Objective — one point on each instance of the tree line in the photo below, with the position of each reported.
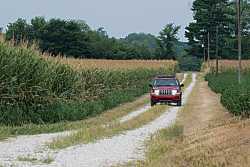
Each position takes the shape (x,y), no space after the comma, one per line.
(75,38)
(215,20)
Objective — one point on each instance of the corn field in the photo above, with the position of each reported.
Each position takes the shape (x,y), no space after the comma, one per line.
(37,89)
(225,65)
(80,64)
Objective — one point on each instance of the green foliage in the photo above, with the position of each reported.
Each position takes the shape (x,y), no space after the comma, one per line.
(101,46)
(166,42)
(33,90)
(28,83)
(18,31)
(65,38)
(235,97)
(180,48)
(75,38)
(141,39)
(209,15)
(145,44)
(189,63)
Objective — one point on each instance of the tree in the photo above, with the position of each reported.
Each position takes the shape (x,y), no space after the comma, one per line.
(18,31)
(167,40)
(142,39)
(229,49)
(101,32)
(208,15)
(75,38)
(65,38)
(194,45)
(245,25)
(37,28)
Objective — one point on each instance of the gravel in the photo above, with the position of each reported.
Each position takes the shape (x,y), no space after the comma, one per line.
(25,146)
(106,152)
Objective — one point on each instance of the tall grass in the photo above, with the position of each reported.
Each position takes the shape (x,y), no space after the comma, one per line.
(36,90)
(29,84)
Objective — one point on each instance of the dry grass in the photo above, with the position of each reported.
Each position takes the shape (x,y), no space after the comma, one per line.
(114,64)
(202,107)
(188,81)
(210,136)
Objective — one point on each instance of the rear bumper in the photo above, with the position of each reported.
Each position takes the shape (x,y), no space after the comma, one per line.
(171,98)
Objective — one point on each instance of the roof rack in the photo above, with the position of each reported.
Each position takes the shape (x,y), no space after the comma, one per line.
(166,76)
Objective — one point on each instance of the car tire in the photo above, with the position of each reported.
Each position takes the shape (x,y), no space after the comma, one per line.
(179,103)
(153,103)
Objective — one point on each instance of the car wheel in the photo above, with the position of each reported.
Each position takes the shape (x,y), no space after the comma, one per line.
(179,103)
(153,103)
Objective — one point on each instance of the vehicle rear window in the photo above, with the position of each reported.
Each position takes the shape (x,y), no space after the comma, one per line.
(165,82)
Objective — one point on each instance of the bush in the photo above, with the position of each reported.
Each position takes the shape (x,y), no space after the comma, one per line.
(188,63)
(33,90)
(235,97)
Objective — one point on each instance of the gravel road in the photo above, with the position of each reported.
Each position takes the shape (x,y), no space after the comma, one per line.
(106,152)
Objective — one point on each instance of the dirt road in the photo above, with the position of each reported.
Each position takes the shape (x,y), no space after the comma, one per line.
(32,150)
(211,136)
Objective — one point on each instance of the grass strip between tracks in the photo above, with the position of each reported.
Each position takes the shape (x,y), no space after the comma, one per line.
(188,80)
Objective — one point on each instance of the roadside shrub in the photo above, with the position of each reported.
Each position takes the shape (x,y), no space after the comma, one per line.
(34,90)
(235,97)
(189,63)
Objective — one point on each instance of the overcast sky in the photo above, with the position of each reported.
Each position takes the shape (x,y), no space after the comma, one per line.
(118,17)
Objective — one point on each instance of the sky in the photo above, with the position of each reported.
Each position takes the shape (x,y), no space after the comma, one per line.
(118,17)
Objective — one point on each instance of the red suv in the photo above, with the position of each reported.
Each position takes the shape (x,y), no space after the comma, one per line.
(166,89)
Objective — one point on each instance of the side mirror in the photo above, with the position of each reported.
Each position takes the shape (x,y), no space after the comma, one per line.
(150,85)
(182,85)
